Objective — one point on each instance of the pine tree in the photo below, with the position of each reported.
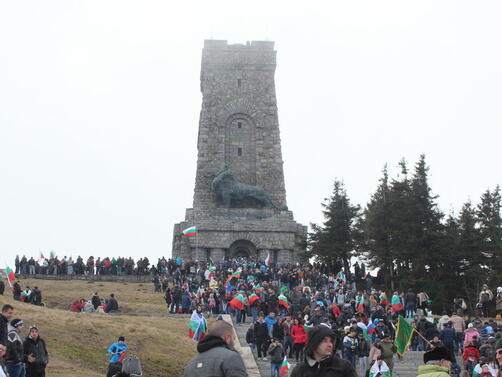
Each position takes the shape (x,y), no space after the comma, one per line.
(374,228)
(472,263)
(490,230)
(334,240)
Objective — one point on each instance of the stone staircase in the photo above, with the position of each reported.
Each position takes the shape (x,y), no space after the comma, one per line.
(408,365)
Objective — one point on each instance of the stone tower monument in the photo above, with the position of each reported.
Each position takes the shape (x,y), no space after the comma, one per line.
(239,205)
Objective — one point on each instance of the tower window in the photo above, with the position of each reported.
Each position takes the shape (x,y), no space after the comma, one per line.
(239,124)
(239,151)
(239,82)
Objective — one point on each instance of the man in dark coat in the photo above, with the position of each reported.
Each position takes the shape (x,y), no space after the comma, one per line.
(5,317)
(35,346)
(2,287)
(217,356)
(262,337)
(112,305)
(320,360)
(96,301)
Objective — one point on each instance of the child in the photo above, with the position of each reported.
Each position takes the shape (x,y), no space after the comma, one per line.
(277,354)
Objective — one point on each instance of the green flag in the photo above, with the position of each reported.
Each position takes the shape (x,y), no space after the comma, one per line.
(404,333)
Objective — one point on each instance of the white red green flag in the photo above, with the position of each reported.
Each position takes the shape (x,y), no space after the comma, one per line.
(237,302)
(360,303)
(285,367)
(396,303)
(380,370)
(283,301)
(383,299)
(267,259)
(190,232)
(253,298)
(10,275)
(197,327)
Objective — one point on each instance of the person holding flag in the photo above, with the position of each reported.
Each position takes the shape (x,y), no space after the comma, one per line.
(277,355)
(197,326)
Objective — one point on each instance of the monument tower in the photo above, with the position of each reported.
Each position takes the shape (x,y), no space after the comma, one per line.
(239,205)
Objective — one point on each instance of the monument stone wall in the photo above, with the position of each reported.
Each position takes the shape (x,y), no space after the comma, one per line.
(245,213)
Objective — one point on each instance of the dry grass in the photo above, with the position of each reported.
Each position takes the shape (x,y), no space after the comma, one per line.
(132,297)
(77,342)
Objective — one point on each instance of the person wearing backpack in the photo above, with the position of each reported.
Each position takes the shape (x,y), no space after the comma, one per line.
(485,298)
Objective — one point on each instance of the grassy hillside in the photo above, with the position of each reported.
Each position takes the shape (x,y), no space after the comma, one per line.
(77,342)
(132,297)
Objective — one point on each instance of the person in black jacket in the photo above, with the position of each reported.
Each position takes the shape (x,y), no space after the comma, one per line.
(251,337)
(96,301)
(262,338)
(319,358)
(277,354)
(5,317)
(35,346)
(2,287)
(112,305)
(15,357)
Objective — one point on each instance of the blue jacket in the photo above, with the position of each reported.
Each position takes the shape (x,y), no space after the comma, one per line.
(114,349)
(270,323)
(185,301)
(448,335)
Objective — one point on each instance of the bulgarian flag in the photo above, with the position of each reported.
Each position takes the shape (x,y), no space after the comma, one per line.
(283,301)
(237,302)
(253,298)
(53,254)
(383,299)
(478,369)
(380,370)
(284,289)
(235,275)
(10,275)
(41,256)
(258,288)
(285,367)
(190,232)
(397,305)
(307,328)
(197,326)
(360,303)
(267,259)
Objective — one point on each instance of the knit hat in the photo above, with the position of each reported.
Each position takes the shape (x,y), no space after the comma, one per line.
(470,325)
(33,327)
(16,322)
(316,335)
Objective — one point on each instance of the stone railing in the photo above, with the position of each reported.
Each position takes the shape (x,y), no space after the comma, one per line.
(118,278)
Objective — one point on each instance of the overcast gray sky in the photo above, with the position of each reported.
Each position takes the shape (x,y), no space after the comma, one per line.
(99,106)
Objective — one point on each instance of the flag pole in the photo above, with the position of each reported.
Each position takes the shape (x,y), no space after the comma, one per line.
(420,335)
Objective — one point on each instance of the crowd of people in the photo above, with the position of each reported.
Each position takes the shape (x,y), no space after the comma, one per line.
(96,305)
(283,303)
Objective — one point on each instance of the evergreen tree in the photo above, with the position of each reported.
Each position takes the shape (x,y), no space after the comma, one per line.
(374,229)
(490,229)
(333,241)
(471,261)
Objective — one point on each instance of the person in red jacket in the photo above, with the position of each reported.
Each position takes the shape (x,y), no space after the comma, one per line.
(76,307)
(471,356)
(299,338)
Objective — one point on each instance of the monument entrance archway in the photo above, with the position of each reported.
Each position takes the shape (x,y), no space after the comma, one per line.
(242,249)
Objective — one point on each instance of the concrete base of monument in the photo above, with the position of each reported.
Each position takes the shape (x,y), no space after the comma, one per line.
(237,232)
